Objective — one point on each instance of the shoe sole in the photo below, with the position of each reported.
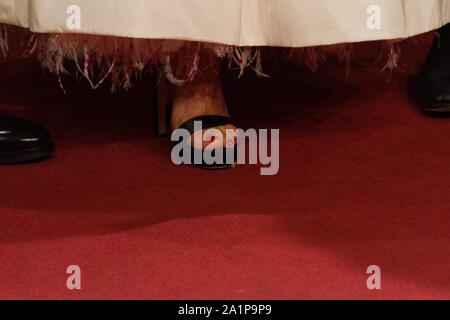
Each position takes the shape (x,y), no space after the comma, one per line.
(439,109)
(214,167)
(28,155)
(434,108)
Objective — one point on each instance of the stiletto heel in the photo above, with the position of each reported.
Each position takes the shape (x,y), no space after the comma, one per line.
(162,101)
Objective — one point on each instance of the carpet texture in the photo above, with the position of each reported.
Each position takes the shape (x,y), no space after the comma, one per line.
(364,179)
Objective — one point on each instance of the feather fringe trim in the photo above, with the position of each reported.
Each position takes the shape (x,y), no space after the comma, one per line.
(3,41)
(122,60)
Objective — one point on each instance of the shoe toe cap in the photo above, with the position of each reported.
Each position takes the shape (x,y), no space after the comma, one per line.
(18,134)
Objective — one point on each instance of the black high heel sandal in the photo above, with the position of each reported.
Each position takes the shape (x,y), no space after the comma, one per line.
(163,93)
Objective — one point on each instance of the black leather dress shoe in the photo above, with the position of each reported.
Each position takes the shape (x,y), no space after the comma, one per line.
(23,140)
(434,83)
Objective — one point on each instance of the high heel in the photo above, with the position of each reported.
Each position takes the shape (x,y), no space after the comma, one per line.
(163,98)
(163,92)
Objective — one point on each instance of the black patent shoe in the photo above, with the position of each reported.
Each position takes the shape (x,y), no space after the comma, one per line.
(23,140)
(434,82)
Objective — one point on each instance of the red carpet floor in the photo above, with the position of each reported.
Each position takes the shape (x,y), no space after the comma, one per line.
(364,179)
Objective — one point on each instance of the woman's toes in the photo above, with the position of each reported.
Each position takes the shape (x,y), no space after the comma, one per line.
(230,135)
(211,138)
(215,138)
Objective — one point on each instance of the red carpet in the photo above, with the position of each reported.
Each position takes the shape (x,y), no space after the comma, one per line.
(364,179)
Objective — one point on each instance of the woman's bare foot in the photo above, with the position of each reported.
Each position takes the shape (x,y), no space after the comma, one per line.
(203,96)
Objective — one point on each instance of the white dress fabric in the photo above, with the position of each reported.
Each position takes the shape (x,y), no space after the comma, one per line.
(287,23)
(140,29)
